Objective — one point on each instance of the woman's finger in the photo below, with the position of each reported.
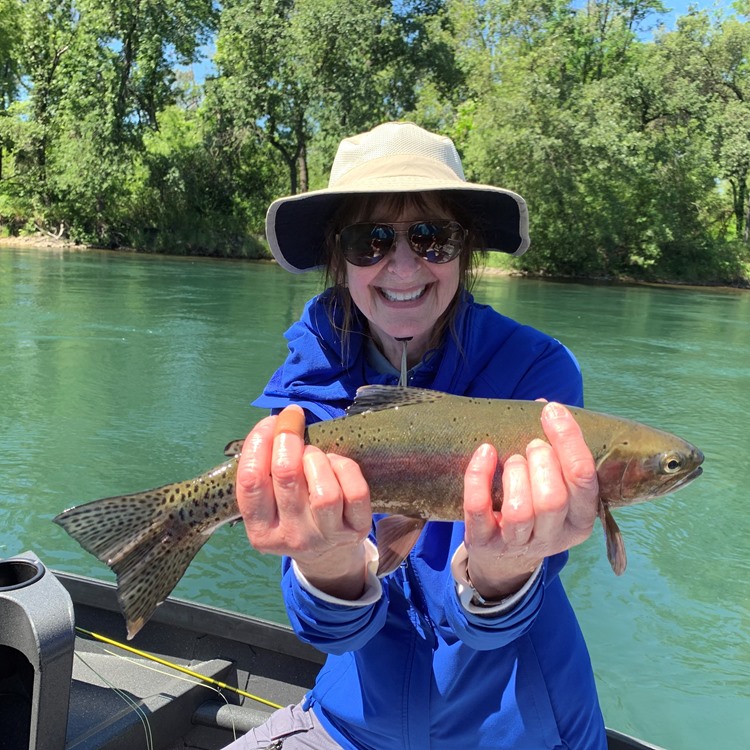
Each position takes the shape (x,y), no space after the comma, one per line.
(577,465)
(479,518)
(549,492)
(518,506)
(357,511)
(287,472)
(254,487)
(326,497)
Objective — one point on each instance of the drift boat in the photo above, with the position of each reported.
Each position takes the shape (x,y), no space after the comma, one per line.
(65,685)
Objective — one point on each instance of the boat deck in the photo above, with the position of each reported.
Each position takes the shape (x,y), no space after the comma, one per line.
(123,701)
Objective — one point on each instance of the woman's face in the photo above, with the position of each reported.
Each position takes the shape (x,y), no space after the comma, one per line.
(403,295)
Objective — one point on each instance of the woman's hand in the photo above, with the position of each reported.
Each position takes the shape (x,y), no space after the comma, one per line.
(550,503)
(296,500)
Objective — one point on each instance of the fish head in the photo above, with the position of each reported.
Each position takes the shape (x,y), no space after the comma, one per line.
(646,464)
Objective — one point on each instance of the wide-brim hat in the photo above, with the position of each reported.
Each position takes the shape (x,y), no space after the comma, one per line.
(395,157)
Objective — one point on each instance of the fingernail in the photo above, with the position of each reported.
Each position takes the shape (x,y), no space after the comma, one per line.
(535,443)
(554,410)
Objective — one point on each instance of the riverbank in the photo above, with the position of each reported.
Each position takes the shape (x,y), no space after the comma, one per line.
(41,242)
(499,265)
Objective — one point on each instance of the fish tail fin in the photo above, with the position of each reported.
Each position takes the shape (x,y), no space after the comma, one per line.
(147,575)
(396,536)
(616,555)
(143,540)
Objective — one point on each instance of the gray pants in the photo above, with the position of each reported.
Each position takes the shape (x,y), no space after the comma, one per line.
(289,728)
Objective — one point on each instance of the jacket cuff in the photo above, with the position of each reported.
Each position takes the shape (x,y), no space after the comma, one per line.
(472,601)
(373,588)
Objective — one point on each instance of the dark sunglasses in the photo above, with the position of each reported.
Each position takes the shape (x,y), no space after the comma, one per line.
(368,243)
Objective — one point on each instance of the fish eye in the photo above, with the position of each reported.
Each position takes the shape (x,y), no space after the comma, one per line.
(671,463)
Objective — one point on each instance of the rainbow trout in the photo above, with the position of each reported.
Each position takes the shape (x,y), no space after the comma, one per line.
(413,447)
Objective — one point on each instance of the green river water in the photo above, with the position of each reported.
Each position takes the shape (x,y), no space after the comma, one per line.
(122,372)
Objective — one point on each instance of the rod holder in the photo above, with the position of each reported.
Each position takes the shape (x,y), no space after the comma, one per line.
(37,639)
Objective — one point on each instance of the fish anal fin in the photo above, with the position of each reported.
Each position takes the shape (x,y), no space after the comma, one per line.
(615,544)
(396,536)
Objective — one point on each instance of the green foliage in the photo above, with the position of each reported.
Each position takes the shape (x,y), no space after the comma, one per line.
(632,152)
(10,12)
(604,135)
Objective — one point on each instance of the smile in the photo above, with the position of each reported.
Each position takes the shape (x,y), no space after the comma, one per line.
(394,296)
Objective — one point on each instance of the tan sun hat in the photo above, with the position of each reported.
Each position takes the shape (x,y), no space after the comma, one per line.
(395,157)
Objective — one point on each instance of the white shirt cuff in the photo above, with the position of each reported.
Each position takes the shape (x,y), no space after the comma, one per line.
(466,592)
(373,588)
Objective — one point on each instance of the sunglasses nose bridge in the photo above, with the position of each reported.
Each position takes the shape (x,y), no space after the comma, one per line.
(402,257)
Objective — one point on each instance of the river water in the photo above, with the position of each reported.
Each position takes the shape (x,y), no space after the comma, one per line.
(121,372)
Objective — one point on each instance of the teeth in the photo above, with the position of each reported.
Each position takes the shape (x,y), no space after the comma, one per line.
(403,296)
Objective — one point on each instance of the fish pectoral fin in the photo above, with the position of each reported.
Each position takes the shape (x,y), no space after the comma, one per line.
(616,555)
(233,448)
(396,536)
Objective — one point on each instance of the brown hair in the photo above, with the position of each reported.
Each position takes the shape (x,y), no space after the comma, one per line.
(355,208)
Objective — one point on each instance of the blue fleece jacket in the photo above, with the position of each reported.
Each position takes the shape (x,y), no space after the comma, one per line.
(416,670)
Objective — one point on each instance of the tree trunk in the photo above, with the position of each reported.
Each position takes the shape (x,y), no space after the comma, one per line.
(292,165)
(304,183)
(741,209)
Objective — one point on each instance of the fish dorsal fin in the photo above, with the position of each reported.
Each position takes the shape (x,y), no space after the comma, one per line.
(382,397)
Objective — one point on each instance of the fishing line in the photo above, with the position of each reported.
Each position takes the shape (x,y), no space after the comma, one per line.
(405,341)
(185,678)
(178,667)
(127,700)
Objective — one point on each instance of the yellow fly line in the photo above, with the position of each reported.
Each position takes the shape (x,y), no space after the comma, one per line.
(178,667)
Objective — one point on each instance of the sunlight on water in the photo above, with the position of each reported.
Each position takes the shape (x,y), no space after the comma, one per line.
(121,372)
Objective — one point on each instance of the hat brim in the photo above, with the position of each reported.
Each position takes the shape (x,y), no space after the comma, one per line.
(296,225)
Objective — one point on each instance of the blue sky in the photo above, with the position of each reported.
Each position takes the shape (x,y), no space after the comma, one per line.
(680,8)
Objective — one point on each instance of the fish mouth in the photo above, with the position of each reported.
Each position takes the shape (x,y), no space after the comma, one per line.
(694,474)
(412,295)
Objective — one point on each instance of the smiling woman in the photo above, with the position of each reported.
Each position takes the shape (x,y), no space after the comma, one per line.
(407,666)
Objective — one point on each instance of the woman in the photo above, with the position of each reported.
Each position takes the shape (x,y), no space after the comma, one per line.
(471,642)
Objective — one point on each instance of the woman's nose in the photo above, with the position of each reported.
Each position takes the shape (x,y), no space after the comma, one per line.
(402,260)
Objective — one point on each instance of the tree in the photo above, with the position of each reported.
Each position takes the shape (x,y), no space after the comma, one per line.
(570,108)
(10,64)
(709,79)
(98,73)
(291,73)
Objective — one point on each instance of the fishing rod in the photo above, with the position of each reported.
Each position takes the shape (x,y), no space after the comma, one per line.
(177,667)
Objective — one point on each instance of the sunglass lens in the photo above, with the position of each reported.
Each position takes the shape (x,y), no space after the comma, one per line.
(437,242)
(366,244)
